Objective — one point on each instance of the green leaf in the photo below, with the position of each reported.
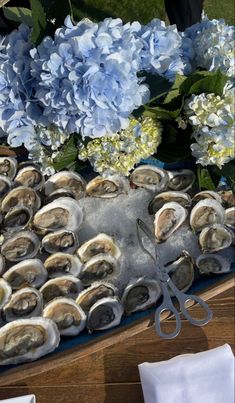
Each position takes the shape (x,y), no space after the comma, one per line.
(18,14)
(67,155)
(204,179)
(186,85)
(214,83)
(159,86)
(175,89)
(39,21)
(158,113)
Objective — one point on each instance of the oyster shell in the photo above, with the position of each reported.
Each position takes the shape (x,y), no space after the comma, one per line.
(67,315)
(99,267)
(18,218)
(60,264)
(8,167)
(160,199)
(206,194)
(181,180)
(215,238)
(31,177)
(21,196)
(87,298)
(2,264)
(68,181)
(230,217)
(209,263)
(61,214)
(21,245)
(60,241)
(25,303)
(5,185)
(228,198)
(107,187)
(56,194)
(101,243)
(140,294)
(182,271)
(5,292)
(150,177)
(27,339)
(64,286)
(29,273)
(104,314)
(206,212)
(168,219)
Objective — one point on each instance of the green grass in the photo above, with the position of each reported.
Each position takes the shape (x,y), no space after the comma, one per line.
(145,10)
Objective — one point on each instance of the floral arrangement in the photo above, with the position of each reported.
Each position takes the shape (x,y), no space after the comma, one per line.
(110,94)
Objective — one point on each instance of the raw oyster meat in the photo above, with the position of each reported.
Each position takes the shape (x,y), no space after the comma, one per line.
(215,238)
(99,267)
(60,241)
(29,273)
(27,339)
(230,217)
(101,243)
(21,196)
(181,180)
(104,314)
(168,219)
(166,197)
(67,315)
(24,303)
(140,294)
(66,181)
(21,245)
(8,167)
(18,218)
(64,286)
(31,177)
(60,264)
(206,212)
(210,263)
(207,194)
(5,185)
(107,187)
(182,271)
(150,177)
(87,298)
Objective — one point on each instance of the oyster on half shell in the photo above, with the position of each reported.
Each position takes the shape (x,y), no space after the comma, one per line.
(181,180)
(24,303)
(99,267)
(104,314)
(87,298)
(67,315)
(228,198)
(209,263)
(60,241)
(206,212)
(168,219)
(230,217)
(18,218)
(215,238)
(140,294)
(206,194)
(160,199)
(5,292)
(27,339)
(60,264)
(64,286)
(8,167)
(21,196)
(61,214)
(150,177)
(101,243)
(21,245)
(5,185)
(182,271)
(68,181)
(31,177)
(29,273)
(107,186)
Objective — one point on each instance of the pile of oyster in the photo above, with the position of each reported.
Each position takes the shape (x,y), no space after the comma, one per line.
(51,286)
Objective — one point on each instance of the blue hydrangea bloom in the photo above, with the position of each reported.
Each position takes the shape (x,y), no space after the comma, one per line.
(17,108)
(87,76)
(212,46)
(162,49)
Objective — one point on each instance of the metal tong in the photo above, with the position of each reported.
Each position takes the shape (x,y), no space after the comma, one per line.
(166,283)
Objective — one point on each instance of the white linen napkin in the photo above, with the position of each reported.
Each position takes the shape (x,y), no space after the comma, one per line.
(21,399)
(206,377)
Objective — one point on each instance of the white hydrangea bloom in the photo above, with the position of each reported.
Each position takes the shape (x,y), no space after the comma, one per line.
(212,117)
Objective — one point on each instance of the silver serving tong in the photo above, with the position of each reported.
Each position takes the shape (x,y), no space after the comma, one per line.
(166,284)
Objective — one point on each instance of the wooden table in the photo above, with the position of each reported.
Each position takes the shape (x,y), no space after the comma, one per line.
(105,371)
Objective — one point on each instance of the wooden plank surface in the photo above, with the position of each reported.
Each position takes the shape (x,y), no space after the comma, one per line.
(110,374)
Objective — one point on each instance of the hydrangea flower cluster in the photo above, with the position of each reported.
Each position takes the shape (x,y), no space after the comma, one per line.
(16,108)
(162,49)
(213,120)
(120,153)
(87,76)
(210,45)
